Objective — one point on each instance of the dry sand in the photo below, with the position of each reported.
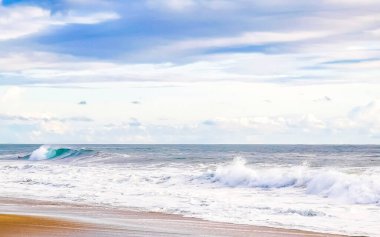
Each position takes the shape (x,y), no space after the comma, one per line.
(35,218)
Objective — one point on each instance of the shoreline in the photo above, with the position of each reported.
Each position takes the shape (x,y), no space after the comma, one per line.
(20,217)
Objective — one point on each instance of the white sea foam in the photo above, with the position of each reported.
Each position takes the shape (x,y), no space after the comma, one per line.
(362,188)
(40,153)
(292,197)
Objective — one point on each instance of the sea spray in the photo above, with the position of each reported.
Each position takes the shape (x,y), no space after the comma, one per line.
(41,153)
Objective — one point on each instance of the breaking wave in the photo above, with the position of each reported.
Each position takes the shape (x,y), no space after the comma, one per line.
(357,188)
(46,152)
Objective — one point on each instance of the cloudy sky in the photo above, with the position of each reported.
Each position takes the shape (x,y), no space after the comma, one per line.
(189,71)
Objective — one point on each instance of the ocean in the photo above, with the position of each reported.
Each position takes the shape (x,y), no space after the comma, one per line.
(325,188)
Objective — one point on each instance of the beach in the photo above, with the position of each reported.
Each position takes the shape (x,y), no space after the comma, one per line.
(23,217)
(321,189)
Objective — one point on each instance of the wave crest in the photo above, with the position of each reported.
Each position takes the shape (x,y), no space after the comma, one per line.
(46,152)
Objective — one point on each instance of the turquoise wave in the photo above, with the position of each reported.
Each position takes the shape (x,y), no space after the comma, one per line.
(50,152)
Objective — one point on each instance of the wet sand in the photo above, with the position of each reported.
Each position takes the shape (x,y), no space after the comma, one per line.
(23,217)
(20,225)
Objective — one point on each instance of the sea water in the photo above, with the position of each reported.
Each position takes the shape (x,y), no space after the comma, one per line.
(334,189)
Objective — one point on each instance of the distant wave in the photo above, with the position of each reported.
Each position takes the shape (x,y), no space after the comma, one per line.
(46,152)
(358,188)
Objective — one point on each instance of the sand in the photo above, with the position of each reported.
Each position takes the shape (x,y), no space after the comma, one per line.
(22,217)
(21,225)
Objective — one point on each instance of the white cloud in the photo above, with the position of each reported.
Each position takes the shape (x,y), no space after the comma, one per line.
(20,21)
(367,117)
(353,2)
(50,69)
(176,5)
(41,117)
(86,2)
(245,39)
(11,94)
(78,18)
(363,122)
(56,127)
(47,68)
(273,124)
(185,5)
(303,49)
(375,32)
(320,37)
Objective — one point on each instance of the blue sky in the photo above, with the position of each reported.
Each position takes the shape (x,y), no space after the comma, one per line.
(189,71)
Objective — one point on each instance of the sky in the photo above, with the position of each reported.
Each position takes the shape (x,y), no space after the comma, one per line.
(190,71)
